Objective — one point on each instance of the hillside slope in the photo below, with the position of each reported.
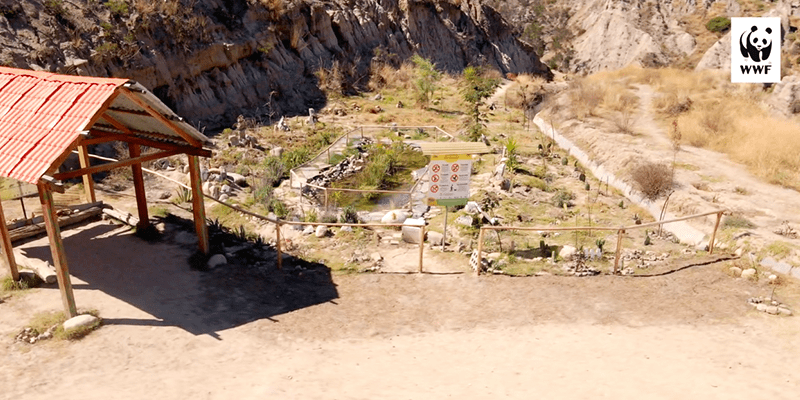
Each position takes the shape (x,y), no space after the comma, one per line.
(212,60)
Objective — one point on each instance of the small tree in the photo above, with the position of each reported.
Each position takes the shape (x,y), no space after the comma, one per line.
(427,77)
(476,88)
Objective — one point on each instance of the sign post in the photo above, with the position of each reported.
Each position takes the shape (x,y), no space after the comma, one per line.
(448,183)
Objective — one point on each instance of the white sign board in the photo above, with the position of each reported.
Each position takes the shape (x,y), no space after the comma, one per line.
(448,179)
(755,50)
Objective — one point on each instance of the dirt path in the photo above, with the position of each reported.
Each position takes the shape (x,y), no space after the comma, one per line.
(175,333)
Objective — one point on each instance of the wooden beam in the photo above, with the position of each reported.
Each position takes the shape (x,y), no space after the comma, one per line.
(88,182)
(155,114)
(198,207)
(99,137)
(122,163)
(8,250)
(138,185)
(57,249)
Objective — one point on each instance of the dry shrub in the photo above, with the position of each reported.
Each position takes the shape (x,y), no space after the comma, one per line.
(672,103)
(386,76)
(586,96)
(331,81)
(652,179)
(526,89)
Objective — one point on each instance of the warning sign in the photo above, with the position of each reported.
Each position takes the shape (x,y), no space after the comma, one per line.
(450,179)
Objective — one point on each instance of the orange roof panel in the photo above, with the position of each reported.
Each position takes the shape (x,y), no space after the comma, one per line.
(42,115)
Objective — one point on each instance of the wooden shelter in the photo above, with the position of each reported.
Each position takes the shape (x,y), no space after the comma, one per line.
(45,117)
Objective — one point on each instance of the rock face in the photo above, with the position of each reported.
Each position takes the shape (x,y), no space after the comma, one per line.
(214,60)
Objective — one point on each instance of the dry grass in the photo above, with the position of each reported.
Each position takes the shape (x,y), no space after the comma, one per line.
(526,88)
(586,96)
(713,113)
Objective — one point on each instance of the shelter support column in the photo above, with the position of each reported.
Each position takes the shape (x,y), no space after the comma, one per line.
(88,182)
(8,253)
(57,249)
(138,185)
(198,205)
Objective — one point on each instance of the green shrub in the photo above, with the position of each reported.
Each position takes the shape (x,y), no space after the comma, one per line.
(563,198)
(718,24)
(737,221)
(119,8)
(533,182)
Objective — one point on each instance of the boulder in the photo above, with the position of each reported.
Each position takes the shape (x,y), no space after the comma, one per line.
(749,273)
(185,169)
(207,188)
(567,252)
(80,321)
(276,151)
(308,230)
(346,229)
(216,260)
(465,220)
(472,208)
(223,197)
(735,271)
(321,231)
(394,217)
(435,238)
(238,179)
(225,189)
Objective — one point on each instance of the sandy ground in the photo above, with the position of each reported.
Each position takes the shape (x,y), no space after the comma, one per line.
(174,333)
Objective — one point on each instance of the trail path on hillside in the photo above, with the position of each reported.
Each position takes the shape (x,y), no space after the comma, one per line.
(707,180)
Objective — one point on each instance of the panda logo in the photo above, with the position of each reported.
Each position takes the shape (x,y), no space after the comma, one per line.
(756,45)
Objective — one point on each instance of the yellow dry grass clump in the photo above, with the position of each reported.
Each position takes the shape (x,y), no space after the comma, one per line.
(711,112)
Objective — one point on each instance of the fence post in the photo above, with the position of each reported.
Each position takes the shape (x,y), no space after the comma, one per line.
(421,245)
(278,244)
(326,199)
(619,249)
(480,252)
(714,234)
(329,154)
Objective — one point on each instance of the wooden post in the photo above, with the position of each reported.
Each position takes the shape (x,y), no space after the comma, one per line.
(88,182)
(8,250)
(278,244)
(198,207)
(138,185)
(57,249)
(714,234)
(329,155)
(480,252)
(326,199)
(421,245)
(619,249)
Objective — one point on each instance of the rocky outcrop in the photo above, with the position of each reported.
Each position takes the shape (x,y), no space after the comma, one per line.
(216,59)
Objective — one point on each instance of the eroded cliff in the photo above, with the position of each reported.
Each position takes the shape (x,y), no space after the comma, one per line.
(212,60)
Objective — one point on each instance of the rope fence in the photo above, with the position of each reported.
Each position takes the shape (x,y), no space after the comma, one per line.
(620,231)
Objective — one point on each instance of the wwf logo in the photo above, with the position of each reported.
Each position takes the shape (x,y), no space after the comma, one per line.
(756,55)
(755,44)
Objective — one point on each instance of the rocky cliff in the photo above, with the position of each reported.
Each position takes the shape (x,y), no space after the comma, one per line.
(212,60)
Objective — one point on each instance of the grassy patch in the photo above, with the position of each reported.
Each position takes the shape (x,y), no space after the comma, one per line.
(737,221)
(779,249)
(43,321)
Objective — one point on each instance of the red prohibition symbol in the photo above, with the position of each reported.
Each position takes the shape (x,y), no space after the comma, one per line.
(435,178)
(436,167)
(453,178)
(434,188)
(454,168)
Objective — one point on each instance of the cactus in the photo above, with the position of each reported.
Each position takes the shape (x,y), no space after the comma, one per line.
(582,177)
(587,187)
(622,204)
(647,240)
(600,243)
(564,161)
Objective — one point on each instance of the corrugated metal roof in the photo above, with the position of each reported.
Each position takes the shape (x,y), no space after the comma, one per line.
(435,148)
(43,114)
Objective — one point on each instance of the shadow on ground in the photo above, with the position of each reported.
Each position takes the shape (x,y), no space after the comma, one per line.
(155,276)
